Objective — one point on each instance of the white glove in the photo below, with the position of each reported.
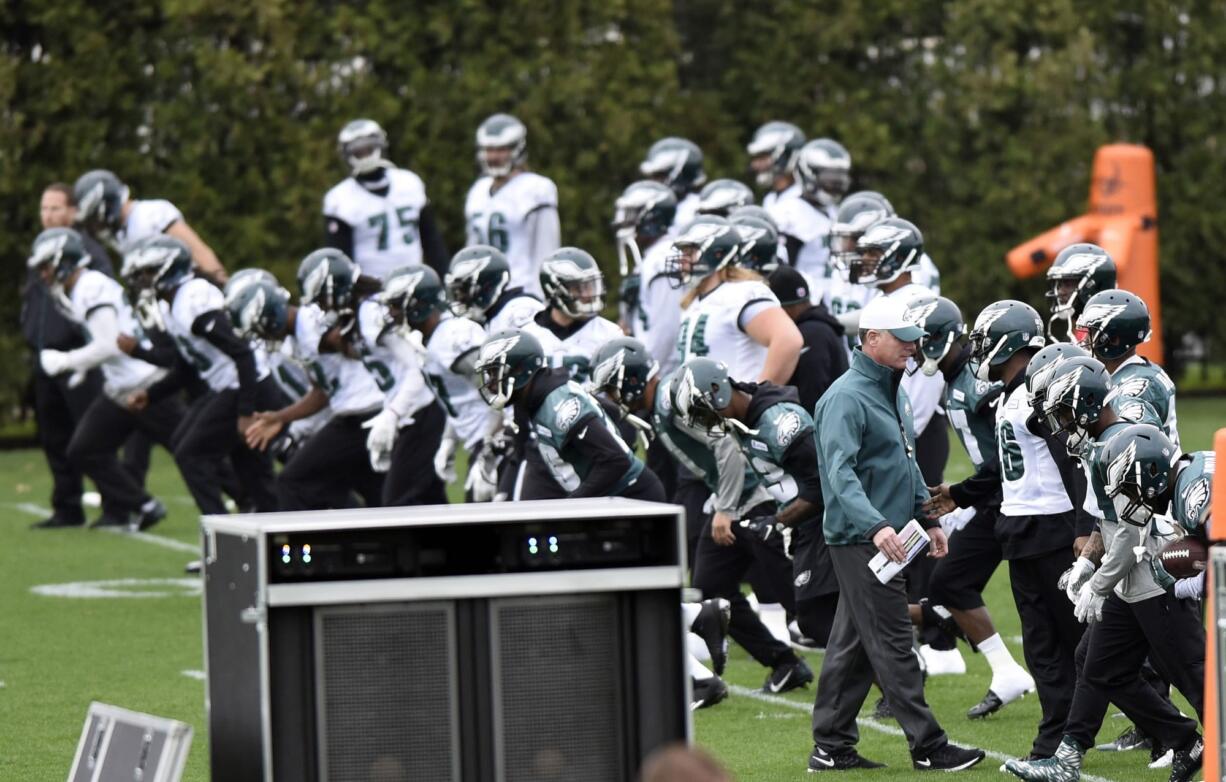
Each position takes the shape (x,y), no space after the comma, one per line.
(444,457)
(382,438)
(1089,606)
(1193,587)
(1080,574)
(482,479)
(955,520)
(54,362)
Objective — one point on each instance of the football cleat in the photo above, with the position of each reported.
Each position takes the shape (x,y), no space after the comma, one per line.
(1005,689)
(948,757)
(151,513)
(707,692)
(821,760)
(1187,761)
(1130,739)
(788,675)
(882,711)
(1064,766)
(711,625)
(57,522)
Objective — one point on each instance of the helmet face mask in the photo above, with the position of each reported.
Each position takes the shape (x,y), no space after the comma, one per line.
(160,263)
(823,167)
(1077,273)
(475,279)
(700,390)
(506,364)
(885,251)
(502,145)
(773,151)
(362,144)
(57,253)
(1115,322)
(1073,399)
(573,283)
(707,245)
(622,369)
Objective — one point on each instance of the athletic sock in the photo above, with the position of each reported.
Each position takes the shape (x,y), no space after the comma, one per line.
(998,656)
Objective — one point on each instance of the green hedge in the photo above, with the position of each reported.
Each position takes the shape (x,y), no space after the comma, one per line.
(978,118)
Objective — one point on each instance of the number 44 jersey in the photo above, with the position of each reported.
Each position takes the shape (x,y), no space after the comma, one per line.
(385,228)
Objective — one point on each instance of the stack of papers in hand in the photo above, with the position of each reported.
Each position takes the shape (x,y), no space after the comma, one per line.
(913,538)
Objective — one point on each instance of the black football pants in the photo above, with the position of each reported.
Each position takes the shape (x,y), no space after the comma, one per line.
(57,408)
(961,576)
(411,479)
(334,462)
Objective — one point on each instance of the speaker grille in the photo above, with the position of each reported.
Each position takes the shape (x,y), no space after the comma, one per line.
(388,705)
(557,689)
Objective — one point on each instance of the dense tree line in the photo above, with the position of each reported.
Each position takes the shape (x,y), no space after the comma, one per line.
(978,118)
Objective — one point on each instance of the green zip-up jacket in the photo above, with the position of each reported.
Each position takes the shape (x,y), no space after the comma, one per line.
(866,454)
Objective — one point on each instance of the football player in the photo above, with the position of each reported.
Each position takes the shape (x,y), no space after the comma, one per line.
(105,208)
(509,207)
(721,196)
(1131,615)
(1079,271)
(958,580)
(192,310)
(379,215)
(98,305)
(1115,322)
(1040,512)
(642,218)
(570,328)
(823,169)
(479,287)
(677,163)
(580,445)
(759,240)
(773,151)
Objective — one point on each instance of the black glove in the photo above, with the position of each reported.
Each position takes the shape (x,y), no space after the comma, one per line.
(764,527)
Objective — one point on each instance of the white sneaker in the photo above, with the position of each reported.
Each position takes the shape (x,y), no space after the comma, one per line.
(943,663)
(1012,684)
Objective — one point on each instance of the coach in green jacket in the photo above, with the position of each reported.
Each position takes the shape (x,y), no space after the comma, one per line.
(873,487)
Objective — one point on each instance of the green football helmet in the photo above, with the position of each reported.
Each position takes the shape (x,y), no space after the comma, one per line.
(1002,329)
(676,162)
(759,243)
(362,144)
(501,131)
(573,283)
(61,249)
(506,364)
(886,249)
(1074,399)
(777,145)
(721,196)
(1038,371)
(707,245)
(412,294)
(476,277)
(856,213)
(1138,460)
(823,167)
(622,368)
(1115,322)
(326,278)
(100,196)
(943,326)
(700,389)
(161,263)
(644,211)
(244,277)
(259,309)
(753,210)
(1079,271)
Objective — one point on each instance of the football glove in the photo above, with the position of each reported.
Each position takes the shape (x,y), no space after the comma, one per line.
(1089,606)
(54,362)
(1076,577)
(382,439)
(764,527)
(444,457)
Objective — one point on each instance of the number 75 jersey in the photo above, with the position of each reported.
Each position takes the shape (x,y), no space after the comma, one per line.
(385,228)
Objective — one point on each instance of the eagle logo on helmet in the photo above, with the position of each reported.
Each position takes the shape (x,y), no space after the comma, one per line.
(604,373)
(1062,386)
(700,234)
(469,267)
(403,285)
(496,351)
(1120,467)
(49,250)
(1082,263)
(988,317)
(880,235)
(1195,498)
(919,314)
(786,428)
(249,316)
(314,283)
(1099,315)
(92,199)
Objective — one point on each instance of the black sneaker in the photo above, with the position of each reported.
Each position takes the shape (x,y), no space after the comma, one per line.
(1187,761)
(193,568)
(707,692)
(788,675)
(711,625)
(821,760)
(940,618)
(882,711)
(990,704)
(110,520)
(57,522)
(151,513)
(1130,739)
(948,757)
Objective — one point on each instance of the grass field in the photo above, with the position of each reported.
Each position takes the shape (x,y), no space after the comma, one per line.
(57,653)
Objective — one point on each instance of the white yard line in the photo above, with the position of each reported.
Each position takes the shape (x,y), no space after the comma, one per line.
(865,722)
(144,537)
(197,675)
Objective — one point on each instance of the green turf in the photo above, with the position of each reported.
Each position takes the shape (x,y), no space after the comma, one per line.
(57,654)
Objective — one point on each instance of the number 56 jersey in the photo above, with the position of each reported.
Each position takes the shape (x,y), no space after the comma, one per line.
(520,219)
(385,228)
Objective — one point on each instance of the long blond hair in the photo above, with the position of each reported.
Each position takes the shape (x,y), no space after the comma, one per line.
(729,273)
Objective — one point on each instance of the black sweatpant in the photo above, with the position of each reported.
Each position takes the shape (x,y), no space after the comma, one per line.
(333,463)
(57,408)
(95,445)
(718,571)
(411,479)
(691,493)
(1050,635)
(1170,632)
(208,436)
(660,460)
(959,578)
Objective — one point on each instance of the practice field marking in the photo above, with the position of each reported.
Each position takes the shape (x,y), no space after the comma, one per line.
(197,675)
(144,537)
(871,724)
(122,588)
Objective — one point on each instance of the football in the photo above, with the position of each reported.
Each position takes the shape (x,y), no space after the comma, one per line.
(1184,558)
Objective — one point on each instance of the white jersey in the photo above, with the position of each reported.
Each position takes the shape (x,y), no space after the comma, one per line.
(93,291)
(385,227)
(1029,479)
(578,349)
(193,299)
(687,210)
(147,217)
(514,314)
(292,375)
(659,317)
(771,199)
(453,339)
(925,392)
(810,225)
(714,326)
(348,384)
(509,220)
(927,274)
(393,371)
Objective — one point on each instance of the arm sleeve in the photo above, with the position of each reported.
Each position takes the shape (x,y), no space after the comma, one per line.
(838,445)
(610,461)
(793,246)
(800,462)
(980,487)
(546,230)
(433,247)
(412,386)
(161,351)
(180,373)
(215,327)
(1074,479)
(1118,558)
(103,325)
(338,234)
(730,463)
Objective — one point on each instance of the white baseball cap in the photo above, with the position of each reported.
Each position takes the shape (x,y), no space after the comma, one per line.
(886,313)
